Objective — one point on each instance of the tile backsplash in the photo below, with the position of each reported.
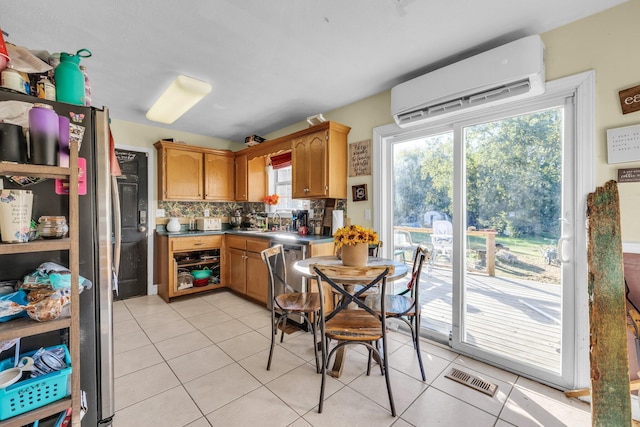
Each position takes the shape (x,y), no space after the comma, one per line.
(223,209)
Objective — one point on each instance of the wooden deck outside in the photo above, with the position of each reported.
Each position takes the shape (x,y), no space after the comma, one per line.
(515,318)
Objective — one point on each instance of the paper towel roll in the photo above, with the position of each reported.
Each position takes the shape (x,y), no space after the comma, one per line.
(337,220)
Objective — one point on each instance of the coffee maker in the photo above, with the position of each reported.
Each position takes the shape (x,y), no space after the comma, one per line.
(300,218)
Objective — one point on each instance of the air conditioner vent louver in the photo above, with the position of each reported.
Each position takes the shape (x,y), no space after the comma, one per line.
(509,72)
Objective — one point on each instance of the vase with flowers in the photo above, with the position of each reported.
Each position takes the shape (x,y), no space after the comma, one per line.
(353,241)
(269,201)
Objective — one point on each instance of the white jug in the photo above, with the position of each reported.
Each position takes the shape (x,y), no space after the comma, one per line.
(173,226)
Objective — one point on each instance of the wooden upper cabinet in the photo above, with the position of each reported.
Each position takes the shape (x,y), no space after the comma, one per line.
(319,162)
(242,178)
(182,173)
(219,177)
(309,166)
(251,179)
(194,173)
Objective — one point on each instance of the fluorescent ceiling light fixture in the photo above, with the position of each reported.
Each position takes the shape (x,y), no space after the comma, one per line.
(180,96)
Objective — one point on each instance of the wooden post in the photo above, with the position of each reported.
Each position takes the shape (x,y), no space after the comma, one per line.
(491,252)
(610,397)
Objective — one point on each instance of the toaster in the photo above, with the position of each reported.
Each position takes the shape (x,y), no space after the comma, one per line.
(208,224)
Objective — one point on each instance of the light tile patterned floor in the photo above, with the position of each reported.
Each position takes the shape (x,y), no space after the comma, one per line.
(201,361)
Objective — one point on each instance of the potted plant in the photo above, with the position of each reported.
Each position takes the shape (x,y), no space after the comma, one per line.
(354,241)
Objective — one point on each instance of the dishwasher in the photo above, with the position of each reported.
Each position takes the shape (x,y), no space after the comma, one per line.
(292,253)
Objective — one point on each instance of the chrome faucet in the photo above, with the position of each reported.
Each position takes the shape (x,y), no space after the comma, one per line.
(279,220)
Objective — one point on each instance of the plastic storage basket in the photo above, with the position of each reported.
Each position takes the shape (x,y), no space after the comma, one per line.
(34,393)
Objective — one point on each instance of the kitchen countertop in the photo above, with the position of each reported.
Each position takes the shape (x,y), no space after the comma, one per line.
(280,236)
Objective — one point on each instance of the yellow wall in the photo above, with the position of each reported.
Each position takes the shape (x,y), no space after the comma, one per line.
(128,133)
(606,42)
(137,135)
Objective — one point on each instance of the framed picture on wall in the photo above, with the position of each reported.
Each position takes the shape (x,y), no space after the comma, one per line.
(359,192)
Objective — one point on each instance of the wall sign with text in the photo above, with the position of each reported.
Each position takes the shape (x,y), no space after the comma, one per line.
(629,175)
(623,144)
(360,158)
(630,99)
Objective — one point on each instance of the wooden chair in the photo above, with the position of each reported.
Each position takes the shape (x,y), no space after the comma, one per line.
(349,326)
(285,300)
(406,304)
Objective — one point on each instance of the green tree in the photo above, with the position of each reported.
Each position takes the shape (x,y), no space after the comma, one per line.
(514,173)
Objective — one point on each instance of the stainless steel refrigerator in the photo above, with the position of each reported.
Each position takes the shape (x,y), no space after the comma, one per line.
(97,253)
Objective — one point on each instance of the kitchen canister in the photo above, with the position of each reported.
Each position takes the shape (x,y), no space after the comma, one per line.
(12,79)
(13,144)
(15,215)
(70,79)
(44,132)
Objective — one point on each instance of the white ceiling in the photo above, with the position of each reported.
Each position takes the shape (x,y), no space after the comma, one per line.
(271,63)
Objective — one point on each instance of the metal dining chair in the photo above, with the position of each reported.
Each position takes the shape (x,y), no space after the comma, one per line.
(405,305)
(286,301)
(350,326)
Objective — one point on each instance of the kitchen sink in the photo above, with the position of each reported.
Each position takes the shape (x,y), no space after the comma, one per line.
(278,235)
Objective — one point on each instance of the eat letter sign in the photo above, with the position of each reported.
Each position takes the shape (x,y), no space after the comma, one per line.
(630,99)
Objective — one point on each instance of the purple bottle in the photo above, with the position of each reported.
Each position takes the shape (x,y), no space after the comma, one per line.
(43,135)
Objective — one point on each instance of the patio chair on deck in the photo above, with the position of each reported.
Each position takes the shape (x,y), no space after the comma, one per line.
(401,243)
(442,239)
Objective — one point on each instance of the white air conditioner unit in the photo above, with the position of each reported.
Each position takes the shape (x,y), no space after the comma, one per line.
(508,72)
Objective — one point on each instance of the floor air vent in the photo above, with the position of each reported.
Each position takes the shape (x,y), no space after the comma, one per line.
(472,381)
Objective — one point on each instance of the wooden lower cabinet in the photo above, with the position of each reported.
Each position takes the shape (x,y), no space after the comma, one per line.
(237,270)
(237,262)
(247,273)
(257,277)
(169,254)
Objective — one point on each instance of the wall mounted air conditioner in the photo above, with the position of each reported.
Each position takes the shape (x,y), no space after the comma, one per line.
(509,72)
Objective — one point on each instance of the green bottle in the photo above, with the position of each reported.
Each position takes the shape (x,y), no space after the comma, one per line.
(70,79)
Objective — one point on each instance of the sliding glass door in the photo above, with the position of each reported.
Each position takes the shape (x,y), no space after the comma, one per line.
(422,195)
(511,201)
(494,197)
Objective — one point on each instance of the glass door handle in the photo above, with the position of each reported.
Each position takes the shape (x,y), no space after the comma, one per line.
(561,242)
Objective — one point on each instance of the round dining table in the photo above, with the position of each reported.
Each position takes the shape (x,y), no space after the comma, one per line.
(302,266)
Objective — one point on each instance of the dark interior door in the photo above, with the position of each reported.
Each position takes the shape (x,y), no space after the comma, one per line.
(133,190)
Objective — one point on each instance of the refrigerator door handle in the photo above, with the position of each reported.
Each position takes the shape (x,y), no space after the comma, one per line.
(117,230)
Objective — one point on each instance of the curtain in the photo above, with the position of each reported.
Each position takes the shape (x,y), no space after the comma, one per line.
(280,161)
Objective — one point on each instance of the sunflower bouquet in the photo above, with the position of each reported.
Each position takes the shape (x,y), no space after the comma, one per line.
(353,234)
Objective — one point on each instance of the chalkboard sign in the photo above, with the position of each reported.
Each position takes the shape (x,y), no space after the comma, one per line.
(360,158)
(629,175)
